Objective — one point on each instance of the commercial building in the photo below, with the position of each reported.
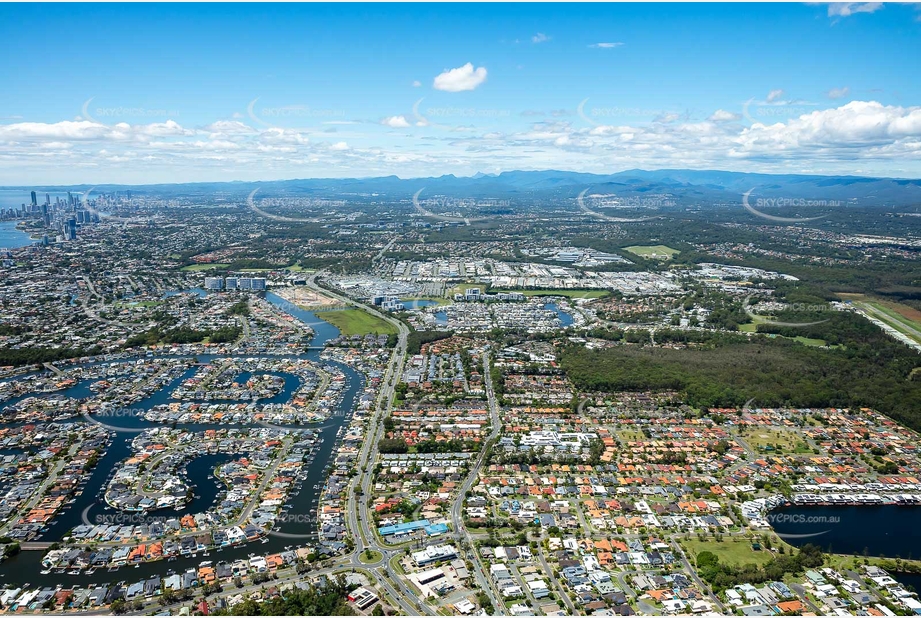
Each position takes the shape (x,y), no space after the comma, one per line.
(434,553)
(362,598)
(406,528)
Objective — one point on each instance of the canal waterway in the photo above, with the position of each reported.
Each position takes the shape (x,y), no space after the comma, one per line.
(26,566)
(877,530)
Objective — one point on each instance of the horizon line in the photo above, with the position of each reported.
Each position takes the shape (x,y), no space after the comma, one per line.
(473,176)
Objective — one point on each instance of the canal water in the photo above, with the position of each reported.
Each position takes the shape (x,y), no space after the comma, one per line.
(880,530)
(418,303)
(80,390)
(26,566)
(200,292)
(565,318)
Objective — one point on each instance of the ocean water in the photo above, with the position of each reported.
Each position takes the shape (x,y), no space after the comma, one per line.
(11,238)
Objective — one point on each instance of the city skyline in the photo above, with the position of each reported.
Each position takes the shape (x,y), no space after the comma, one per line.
(364,90)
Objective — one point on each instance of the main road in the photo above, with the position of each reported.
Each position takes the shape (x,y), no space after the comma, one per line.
(360,486)
(457,510)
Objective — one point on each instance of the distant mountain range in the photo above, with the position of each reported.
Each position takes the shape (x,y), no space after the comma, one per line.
(685,187)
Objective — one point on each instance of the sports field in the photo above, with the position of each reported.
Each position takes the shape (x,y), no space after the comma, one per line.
(653,252)
(197,267)
(356,322)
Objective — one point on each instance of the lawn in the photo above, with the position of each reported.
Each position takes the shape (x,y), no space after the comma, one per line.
(840,562)
(730,551)
(565,293)
(374,556)
(631,435)
(357,322)
(197,267)
(752,327)
(653,252)
(766,440)
(810,341)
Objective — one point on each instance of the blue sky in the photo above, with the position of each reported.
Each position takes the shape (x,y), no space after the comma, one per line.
(140,93)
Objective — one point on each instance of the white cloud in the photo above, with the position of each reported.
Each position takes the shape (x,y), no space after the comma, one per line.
(229,127)
(606,45)
(666,117)
(722,115)
(395,122)
(417,84)
(65,130)
(846,9)
(277,135)
(540,37)
(774,95)
(460,79)
(837,93)
(859,137)
(856,125)
(158,129)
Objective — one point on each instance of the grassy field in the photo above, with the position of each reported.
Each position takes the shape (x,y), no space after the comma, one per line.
(631,435)
(565,293)
(357,322)
(810,341)
(752,327)
(197,267)
(765,440)
(653,252)
(846,561)
(730,551)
